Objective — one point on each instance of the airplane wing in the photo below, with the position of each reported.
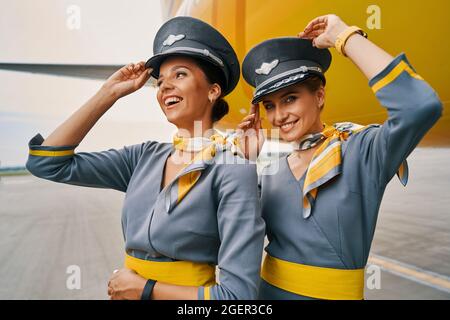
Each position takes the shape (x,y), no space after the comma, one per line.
(86,71)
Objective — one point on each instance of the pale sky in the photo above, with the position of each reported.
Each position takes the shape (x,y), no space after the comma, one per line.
(110,32)
(76,32)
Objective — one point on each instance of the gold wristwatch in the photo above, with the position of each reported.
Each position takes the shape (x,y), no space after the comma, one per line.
(343,37)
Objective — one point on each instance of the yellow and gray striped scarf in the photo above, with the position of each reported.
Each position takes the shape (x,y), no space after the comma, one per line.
(326,162)
(190,174)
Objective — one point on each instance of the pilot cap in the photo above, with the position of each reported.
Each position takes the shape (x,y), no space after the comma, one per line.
(277,63)
(187,36)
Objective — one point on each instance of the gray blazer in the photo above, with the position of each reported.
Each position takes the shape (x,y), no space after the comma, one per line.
(218,221)
(339,232)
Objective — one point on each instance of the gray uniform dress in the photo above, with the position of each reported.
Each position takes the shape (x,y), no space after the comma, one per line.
(218,222)
(339,232)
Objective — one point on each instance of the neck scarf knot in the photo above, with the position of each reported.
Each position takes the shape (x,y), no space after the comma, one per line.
(326,162)
(206,149)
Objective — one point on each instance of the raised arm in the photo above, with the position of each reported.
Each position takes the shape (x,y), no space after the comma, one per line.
(368,57)
(413,106)
(54,158)
(123,82)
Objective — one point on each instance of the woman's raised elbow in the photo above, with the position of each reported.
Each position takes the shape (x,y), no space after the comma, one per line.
(424,111)
(33,168)
(436,108)
(430,110)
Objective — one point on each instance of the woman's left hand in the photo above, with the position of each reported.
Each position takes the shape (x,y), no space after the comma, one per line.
(323,31)
(125,284)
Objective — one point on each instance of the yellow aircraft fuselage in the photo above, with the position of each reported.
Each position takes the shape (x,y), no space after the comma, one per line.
(420,29)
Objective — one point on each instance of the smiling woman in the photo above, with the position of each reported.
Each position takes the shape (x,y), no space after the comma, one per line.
(187,87)
(186,209)
(337,173)
(302,103)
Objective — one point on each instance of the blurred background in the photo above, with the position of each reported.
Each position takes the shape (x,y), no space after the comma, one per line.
(55,54)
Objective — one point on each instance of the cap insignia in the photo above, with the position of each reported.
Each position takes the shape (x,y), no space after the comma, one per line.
(172,39)
(266,68)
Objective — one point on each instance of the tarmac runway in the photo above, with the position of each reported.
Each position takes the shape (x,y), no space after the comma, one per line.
(47,228)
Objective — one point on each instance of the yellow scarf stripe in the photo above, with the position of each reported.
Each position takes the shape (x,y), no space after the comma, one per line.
(311,196)
(402,173)
(306,204)
(179,143)
(186,181)
(322,147)
(401,170)
(395,72)
(325,167)
(206,293)
(47,153)
(327,162)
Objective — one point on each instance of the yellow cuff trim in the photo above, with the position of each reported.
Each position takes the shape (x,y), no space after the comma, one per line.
(46,153)
(391,76)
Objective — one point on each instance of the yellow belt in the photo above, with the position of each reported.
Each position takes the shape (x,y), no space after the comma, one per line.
(312,281)
(182,273)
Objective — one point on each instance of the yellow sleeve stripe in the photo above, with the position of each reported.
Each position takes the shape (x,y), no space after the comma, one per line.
(206,293)
(391,76)
(46,153)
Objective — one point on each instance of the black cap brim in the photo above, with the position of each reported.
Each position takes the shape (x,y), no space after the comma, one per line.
(191,37)
(156,61)
(302,77)
(281,62)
